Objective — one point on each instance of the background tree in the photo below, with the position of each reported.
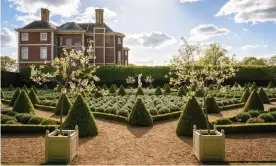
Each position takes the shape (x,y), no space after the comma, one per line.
(272,60)
(253,61)
(7,63)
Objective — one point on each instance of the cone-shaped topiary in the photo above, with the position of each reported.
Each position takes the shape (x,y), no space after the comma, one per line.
(236,85)
(186,89)
(45,87)
(167,89)
(34,88)
(104,87)
(254,86)
(175,86)
(246,86)
(10,88)
(122,91)
(2,94)
(270,85)
(181,92)
(23,103)
(263,96)
(98,94)
(164,86)
(249,85)
(112,89)
(158,91)
(81,115)
(115,86)
(25,88)
(150,86)
(63,99)
(33,97)
(191,115)
(253,102)
(245,95)
(211,105)
(140,91)
(14,96)
(219,87)
(140,116)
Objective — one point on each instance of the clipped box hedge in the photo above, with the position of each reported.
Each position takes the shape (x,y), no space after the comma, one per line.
(248,128)
(26,128)
(45,108)
(232,106)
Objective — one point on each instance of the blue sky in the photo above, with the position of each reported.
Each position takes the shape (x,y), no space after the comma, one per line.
(153,27)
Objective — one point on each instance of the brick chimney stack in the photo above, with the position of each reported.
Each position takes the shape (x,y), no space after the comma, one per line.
(45,14)
(99,16)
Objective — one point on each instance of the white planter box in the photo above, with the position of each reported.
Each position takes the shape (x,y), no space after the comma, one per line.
(209,147)
(61,148)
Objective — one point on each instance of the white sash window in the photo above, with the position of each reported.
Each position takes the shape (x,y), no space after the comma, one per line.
(24,53)
(25,36)
(43,52)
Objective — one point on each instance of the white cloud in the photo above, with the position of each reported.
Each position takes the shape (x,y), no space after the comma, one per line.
(250,10)
(206,31)
(184,1)
(152,39)
(245,30)
(8,38)
(246,47)
(64,8)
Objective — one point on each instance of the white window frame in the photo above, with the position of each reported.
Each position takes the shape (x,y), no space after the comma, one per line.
(41,51)
(24,54)
(119,41)
(25,36)
(41,37)
(70,43)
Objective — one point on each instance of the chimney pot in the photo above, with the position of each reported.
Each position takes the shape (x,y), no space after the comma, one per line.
(99,16)
(45,14)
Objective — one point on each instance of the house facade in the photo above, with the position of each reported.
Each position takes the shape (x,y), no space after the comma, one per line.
(40,41)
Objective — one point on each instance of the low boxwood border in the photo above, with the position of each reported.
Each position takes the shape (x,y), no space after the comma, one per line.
(248,128)
(45,108)
(26,128)
(157,118)
(110,116)
(272,99)
(232,106)
(5,101)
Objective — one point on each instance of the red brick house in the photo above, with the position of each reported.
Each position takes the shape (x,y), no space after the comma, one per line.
(40,41)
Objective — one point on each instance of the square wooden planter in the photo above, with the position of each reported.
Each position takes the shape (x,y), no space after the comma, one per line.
(61,148)
(209,147)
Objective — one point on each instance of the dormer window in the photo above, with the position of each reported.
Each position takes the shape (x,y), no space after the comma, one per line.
(25,36)
(43,36)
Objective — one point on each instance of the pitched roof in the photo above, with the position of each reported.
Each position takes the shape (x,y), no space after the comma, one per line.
(89,27)
(40,25)
(69,26)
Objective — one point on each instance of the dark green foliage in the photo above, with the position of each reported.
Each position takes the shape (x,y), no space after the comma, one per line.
(271,109)
(273,114)
(254,86)
(34,88)
(23,104)
(45,87)
(267,117)
(140,91)
(253,102)
(243,116)
(158,91)
(223,121)
(254,113)
(245,95)
(35,120)
(2,94)
(123,113)
(14,96)
(175,86)
(63,100)
(263,96)
(20,115)
(219,87)
(99,109)
(8,112)
(26,118)
(104,87)
(164,86)
(193,88)
(150,86)
(115,86)
(112,89)
(140,116)
(164,110)
(33,97)
(249,85)
(5,118)
(186,89)
(181,92)
(270,85)
(25,88)
(111,110)
(255,120)
(49,122)
(81,115)
(167,89)
(153,111)
(236,85)
(192,115)
(98,94)
(245,86)
(211,105)
(122,91)
(10,88)
(199,93)
(11,122)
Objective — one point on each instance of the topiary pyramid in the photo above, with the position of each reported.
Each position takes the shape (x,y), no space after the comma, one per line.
(150,86)
(140,116)
(34,88)
(2,94)
(211,105)
(175,87)
(263,96)
(104,87)
(186,89)
(10,88)
(253,102)
(270,85)
(181,92)
(191,115)
(33,97)
(63,99)
(236,85)
(140,91)
(245,86)
(245,95)
(219,87)
(167,89)
(81,115)
(115,86)
(164,86)
(14,96)
(112,89)
(122,91)
(45,87)
(158,91)
(25,88)
(23,103)
(254,87)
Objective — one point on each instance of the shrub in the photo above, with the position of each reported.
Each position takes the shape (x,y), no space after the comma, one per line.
(223,121)
(64,102)
(140,91)
(81,115)
(254,113)
(253,102)
(174,108)
(14,96)
(153,111)
(192,114)
(175,87)
(263,96)
(33,97)
(245,86)
(211,105)
(34,88)
(139,116)
(25,88)
(158,91)
(122,91)
(115,86)
(112,89)
(254,86)
(270,85)
(111,110)
(23,104)
(271,109)
(249,85)
(11,122)
(236,85)
(123,113)
(35,120)
(20,115)
(10,88)
(99,109)
(2,94)
(243,116)
(245,95)
(150,86)
(255,120)
(273,114)
(104,87)
(8,112)
(45,87)
(5,118)
(98,94)
(49,122)
(219,87)
(181,92)
(164,110)
(267,117)
(25,118)
(167,89)
(199,93)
